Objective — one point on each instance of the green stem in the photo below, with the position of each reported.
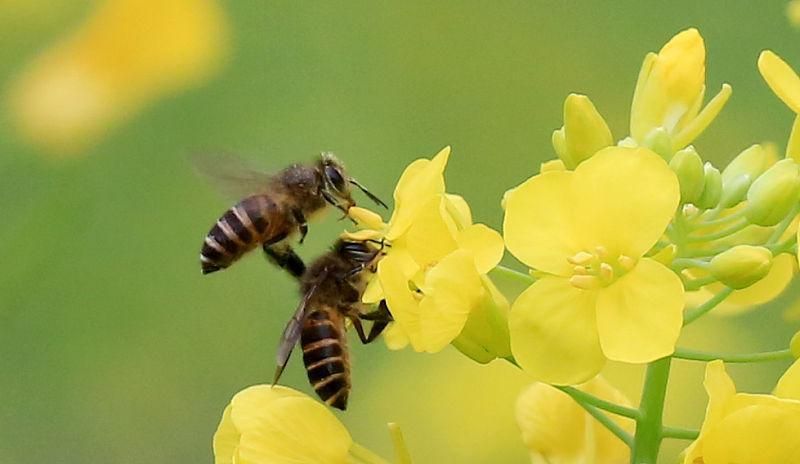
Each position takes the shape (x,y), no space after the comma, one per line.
(782,247)
(587,398)
(697,284)
(707,220)
(608,423)
(680,433)
(693,314)
(647,440)
(365,456)
(683,263)
(766,356)
(782,226)
(402,456)
(512,274)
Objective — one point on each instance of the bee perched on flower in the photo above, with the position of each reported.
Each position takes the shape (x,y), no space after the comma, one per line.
(433,276)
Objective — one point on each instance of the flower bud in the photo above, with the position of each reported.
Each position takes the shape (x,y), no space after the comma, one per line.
(741,266)
(742,171)
(659,141)
(712,187)
(584,132)
(552,165)
(485,334)
(688,166)
(774,194)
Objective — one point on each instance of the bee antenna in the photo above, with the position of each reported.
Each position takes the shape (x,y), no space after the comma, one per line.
(368,193)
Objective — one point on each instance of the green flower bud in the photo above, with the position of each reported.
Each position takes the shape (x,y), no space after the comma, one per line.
(659,141)
(485,335)
(688,166)
(712,187)
(741,172)
(741,266)
(584,132)
(774,194)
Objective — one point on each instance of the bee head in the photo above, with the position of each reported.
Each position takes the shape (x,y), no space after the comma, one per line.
(337,184)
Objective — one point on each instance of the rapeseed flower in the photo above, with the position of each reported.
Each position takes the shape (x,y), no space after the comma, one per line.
(585,233)
(667,112)
(433,274)
(126,55)
(748,428)
(274,424)
(556,430)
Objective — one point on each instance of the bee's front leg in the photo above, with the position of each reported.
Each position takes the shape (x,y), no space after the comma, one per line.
(284,256)
(301,223)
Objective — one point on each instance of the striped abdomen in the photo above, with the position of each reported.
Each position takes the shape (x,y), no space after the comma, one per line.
(255,220)
(325,356)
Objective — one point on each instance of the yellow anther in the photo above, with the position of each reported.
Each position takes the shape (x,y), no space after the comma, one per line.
(602,252)
(626,262)
(579,270)
(606,272)
(581,258)
(585,282)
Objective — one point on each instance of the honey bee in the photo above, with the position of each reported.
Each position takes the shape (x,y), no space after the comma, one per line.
(332,288)
(276,211)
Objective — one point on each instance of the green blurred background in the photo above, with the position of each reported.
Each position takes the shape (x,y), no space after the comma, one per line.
(113,347)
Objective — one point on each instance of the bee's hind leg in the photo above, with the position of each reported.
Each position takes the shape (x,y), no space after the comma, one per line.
(284,256)
(380,318)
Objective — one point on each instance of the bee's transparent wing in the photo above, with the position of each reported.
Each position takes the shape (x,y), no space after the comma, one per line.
(291,334)
(233,176)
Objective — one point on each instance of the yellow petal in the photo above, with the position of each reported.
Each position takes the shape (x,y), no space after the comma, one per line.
(556,430)
(226,440)
(698,124)
(373,293)
(789,385)
(485,335)
(401,301)
(432,234)
(127,54)
(754,435)
(625,199)
(554,332)
(459,209)
(362,235)
(421,180)
(793,145)
(781,78)
(394,337)
(639,317)
(275,423)
(452,289)
(485,244)
(539,222)
(720,390)
(365,218)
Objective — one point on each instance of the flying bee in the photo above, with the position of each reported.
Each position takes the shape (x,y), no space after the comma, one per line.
(332,288)
(278,208)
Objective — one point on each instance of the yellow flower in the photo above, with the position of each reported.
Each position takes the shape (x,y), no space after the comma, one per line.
(432,276)
(277,425)
(584,131)
(785,82)
(556,430)
(748,428)
(669,93)
(586,232)
(127,54)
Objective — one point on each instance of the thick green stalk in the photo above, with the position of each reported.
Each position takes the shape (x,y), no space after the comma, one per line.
(649,426)
(766,356)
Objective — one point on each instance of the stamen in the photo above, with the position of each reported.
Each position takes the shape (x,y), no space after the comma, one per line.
(579,270)
(602,252)
(626,262)
(606,272)
(585,282)
(581,258)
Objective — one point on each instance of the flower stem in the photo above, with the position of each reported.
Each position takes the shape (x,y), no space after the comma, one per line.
(588,398)
(693,314)
(732,229)
(680,433)
(402,456)
(364,456)
(766,356)
(511,274)
(608,423)
(647,440)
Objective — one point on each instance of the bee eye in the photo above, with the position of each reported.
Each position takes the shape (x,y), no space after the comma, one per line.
(335,178)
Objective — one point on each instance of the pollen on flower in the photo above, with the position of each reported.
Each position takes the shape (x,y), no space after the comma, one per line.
(598,269)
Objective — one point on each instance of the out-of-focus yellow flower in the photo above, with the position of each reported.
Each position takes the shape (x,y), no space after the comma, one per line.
(785,82)
(584,131)
(127,54)
(556,430)
(433,274)
(277,425)
(597,297)
(748,428)
(793,12)
(669,94)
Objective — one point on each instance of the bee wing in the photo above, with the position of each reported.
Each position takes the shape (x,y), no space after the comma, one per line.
(233,176)
(291,334)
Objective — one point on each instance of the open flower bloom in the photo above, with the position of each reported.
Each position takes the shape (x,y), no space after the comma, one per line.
(669,94)
(274,425)
(785,82)
(433,274)
(586,232)
(556,430)
(748,428)
(128,53)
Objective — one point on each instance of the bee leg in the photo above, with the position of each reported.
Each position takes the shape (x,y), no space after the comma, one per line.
(360,330)
(284,256)
(381,314)
(375,330)
(301,222)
